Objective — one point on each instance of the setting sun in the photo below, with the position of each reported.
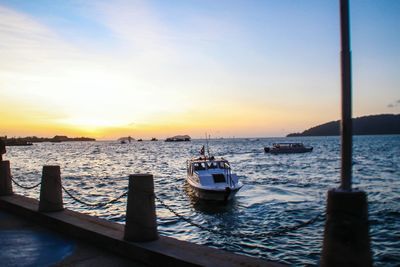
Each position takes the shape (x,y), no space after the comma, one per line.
(132,68)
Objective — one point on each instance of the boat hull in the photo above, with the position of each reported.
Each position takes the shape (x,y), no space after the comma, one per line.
(214,195)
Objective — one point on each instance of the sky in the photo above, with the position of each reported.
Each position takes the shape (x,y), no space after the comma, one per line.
(237,68)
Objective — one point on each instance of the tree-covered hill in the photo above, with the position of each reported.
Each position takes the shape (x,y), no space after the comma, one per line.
(366,125)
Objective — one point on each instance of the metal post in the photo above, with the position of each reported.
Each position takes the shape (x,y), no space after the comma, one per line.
(346,122)
(346,235)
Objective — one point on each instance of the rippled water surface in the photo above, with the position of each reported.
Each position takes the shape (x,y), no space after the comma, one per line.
(279,191)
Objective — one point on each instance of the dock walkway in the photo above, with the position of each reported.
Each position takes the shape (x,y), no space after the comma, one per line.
(24,243)
(68,238)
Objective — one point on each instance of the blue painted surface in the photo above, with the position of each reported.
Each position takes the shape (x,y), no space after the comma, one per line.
(32,248)
(4,215)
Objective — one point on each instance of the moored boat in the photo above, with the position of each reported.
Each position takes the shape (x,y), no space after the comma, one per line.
(211,178)
(287,148)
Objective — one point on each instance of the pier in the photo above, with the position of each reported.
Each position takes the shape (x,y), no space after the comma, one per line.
(136,243)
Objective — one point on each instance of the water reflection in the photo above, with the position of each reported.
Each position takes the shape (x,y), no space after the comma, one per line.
(278,190)
(209,207)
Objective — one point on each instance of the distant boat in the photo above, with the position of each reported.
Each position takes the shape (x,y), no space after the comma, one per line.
(123,140)
(140,140)
(178,138)
(16,142)
(287,148)
(211,178)
(154,139)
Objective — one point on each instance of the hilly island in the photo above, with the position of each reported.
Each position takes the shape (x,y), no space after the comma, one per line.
(366,125)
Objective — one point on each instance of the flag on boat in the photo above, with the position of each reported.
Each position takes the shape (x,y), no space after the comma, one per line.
(202,150)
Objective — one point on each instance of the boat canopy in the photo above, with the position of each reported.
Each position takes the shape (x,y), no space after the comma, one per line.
(202,164)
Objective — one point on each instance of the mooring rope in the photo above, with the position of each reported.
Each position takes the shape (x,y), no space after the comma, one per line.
(93,205)
(278,232)
(25,186)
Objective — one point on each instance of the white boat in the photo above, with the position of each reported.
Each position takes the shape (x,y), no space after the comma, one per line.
(211,178)
(286,148)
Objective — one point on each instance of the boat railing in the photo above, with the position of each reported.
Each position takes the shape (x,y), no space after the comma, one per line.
(228,174)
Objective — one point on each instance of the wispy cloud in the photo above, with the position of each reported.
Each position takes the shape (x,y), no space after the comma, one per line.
(175,54)
(40,65)
(394,104)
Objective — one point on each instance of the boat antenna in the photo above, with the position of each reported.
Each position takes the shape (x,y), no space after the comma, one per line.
(208,148)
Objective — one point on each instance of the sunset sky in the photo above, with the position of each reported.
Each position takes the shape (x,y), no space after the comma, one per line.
(107,69)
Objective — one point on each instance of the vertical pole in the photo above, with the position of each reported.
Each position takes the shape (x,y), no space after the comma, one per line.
(346,234)
(5,178)
(50,190)
(141,220)
(346,122)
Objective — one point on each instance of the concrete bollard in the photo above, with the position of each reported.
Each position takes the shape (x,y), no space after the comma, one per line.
(346,236)
(5,178)
(141,220)
(50,190)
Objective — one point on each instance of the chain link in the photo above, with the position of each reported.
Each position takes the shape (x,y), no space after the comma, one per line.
(187,219)
(93,205)
(278,232)
(24,186)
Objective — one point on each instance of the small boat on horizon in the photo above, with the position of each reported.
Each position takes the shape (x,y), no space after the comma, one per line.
(211,178)
(124,140)
(17,142)
(287,148)
(178,138)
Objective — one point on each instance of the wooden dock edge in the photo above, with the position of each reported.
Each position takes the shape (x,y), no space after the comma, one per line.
(165,251)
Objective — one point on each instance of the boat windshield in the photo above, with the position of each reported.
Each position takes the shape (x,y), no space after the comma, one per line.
(199,166)
(207,165)
(223,165)
(212,165)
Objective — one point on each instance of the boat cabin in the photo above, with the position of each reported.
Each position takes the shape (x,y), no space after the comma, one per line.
(287,145)
(202,165)
(278,148)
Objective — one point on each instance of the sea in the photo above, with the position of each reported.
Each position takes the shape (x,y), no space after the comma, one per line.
(280,191)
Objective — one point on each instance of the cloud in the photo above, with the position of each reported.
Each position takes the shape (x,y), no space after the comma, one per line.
(39,65)
(172,49)
(394,104)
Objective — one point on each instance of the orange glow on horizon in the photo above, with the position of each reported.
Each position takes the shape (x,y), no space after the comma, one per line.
(106,70)
(246,121)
